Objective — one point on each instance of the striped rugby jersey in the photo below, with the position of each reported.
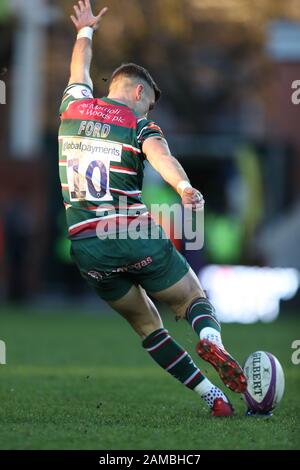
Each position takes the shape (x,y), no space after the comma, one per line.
(101,161)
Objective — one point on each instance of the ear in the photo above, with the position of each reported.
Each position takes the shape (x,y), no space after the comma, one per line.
(139,91)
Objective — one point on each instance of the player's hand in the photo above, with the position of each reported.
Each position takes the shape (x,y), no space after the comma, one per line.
(84,16)
(193,197)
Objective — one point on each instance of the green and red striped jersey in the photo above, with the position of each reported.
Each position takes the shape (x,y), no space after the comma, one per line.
(101,162)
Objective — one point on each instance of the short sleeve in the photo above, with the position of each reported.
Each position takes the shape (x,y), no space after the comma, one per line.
(146,129)
(74,92)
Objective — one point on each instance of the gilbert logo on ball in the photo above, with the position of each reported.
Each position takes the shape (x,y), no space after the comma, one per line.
(265,382)
(2,352)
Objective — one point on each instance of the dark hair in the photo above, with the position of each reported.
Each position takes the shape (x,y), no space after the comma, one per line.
(137,71)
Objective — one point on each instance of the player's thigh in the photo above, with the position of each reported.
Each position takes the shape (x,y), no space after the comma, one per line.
(138,310)
(165,267)
(181,294)
(100,269)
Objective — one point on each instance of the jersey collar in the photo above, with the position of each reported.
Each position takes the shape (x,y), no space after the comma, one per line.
(110,101)
(118,103)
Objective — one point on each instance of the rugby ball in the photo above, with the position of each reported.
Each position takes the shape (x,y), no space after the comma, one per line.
(265,382)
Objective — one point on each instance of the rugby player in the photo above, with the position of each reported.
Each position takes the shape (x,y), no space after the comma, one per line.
(103,144)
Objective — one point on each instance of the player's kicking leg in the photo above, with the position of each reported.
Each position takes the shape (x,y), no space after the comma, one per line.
(187,299)
(140,312)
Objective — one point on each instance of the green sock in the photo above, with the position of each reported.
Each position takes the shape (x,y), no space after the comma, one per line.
(171,357)
(202,317)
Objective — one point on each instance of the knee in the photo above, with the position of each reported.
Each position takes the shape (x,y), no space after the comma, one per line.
(181,309)
(145,329)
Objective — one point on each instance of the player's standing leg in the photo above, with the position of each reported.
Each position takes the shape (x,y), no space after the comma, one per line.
(140,312)
(187,299)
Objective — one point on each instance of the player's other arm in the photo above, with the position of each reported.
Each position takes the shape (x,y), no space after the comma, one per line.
(159,156)
(85,23)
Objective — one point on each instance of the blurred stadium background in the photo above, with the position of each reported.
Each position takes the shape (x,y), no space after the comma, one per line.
(227,70)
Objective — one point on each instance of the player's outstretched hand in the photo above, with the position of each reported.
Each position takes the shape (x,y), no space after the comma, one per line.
(84,16)
(193,197)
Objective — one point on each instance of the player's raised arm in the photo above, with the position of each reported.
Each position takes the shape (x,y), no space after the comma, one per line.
(159,156)
(86,23)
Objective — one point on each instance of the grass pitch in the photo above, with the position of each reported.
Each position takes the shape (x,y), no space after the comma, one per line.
(84,382)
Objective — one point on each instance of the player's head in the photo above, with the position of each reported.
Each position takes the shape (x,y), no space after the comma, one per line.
(135,83)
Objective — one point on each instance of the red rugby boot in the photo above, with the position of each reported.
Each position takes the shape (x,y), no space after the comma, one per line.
(228,368)
(221,409)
